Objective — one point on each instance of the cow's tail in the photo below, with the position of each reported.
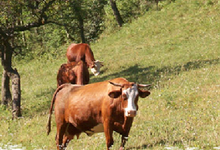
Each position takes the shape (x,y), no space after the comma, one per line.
(51,107)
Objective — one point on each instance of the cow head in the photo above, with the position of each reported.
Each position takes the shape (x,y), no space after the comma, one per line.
(129,93)
(95,69)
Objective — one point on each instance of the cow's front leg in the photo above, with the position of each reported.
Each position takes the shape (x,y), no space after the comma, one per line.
(120,128)
(123,129)
(124,139)
(108,134)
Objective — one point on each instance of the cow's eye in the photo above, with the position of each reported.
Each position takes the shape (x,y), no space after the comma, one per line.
(124,96)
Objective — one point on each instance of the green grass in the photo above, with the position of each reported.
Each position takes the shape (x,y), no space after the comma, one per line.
(176,49)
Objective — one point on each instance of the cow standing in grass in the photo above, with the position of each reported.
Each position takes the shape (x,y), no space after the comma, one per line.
(82,51)
(99,107)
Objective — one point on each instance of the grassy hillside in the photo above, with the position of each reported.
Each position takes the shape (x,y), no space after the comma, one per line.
(176,49)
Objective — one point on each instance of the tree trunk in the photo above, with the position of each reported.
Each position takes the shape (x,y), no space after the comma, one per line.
(116,13)
(6,94)
(16,92)
(78,11)
(10,73)
(81,26)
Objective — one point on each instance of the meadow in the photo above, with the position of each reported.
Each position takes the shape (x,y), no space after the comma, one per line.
(176,50)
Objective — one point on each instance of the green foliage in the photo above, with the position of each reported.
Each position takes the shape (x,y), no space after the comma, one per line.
(91,12)
(48,38)
(45,40)
(17,27)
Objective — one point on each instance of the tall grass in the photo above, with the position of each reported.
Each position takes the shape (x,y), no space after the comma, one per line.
(175,49)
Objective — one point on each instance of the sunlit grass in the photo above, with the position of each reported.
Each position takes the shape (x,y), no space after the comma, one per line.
(175,49)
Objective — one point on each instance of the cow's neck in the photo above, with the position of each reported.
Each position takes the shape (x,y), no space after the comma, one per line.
(90,60)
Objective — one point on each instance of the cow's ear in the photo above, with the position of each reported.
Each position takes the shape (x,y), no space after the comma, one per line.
(114,94)
(143,93)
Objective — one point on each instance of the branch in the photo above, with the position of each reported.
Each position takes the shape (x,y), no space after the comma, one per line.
(46,7)
(2,33)
(29,26)
(59,24)
(41,21)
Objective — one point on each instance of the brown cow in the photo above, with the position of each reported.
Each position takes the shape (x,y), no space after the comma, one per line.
(74,72)
(103,106)
(82,51)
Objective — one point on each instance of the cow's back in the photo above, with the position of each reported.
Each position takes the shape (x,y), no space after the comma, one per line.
(77,52)
(62,97)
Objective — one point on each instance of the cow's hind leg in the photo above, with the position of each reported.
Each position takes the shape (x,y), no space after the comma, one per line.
(66,140)
(70,132)
(59,138)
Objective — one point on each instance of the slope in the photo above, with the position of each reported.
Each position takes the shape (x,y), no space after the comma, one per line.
(175,49)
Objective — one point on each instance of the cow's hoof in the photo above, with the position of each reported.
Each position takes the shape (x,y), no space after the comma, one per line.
(121,148)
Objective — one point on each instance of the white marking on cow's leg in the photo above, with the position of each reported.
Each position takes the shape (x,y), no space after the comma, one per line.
(60,147)
(124,139)
(131,94)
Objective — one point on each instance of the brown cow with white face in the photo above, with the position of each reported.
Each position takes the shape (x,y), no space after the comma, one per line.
(82,51)
(99,107)
(73,72)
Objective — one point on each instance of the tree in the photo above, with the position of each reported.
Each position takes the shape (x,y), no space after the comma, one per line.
(84,19)
(77,8)
(18,16)
(116,12)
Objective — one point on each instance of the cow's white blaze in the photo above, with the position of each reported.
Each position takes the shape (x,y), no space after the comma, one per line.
(96,69)
(131,94)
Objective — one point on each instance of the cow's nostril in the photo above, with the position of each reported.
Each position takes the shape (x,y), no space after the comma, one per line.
(131,113)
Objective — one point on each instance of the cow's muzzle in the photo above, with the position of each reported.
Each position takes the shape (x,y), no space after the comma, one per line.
(130,113)
(95,71)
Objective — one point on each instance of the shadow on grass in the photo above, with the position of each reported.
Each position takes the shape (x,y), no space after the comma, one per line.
(152,74)
(148,75)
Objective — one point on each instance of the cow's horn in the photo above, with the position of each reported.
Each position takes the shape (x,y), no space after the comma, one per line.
(144,85)
(115,84)
(98,61)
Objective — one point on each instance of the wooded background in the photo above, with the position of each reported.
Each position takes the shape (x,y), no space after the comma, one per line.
(30,29)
